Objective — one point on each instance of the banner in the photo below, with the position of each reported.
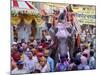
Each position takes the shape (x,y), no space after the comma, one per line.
(85,14)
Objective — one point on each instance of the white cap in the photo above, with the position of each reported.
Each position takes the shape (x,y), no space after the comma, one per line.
(14,43)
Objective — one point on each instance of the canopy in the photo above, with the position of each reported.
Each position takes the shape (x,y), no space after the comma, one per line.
(23,6)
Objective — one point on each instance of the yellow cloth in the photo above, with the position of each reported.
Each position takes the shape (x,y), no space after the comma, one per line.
(22,57)
(15,20)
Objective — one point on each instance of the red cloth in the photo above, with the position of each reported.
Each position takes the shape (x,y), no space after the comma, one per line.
(16,56)
(43,45)
(15,3)
(39,54)
(29,5)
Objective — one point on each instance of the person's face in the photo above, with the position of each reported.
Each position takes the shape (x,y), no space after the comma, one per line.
(42,62)
(32,39)
(34,51)
(46,55)
(15,47)
(20,66)
(44,32)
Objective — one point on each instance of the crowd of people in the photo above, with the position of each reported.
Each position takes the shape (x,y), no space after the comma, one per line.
(61,47)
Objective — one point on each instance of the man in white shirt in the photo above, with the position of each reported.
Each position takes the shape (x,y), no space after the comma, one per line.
(30,62)
(20,68)
(43,66)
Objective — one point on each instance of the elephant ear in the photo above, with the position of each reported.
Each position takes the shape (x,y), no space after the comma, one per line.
(62,16)
(69,30)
